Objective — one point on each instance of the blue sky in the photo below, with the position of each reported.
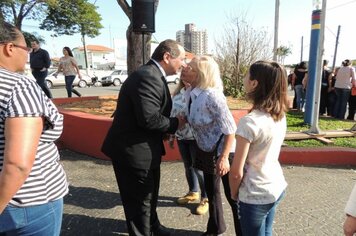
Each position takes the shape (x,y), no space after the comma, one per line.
(213,15)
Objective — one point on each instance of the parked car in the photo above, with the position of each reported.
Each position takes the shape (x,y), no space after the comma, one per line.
(172,79)
(52,81)
(116,78)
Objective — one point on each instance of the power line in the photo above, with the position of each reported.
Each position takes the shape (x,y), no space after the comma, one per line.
(330,31)
(341,5)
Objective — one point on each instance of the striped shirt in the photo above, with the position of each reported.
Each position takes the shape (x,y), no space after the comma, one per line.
(22,97)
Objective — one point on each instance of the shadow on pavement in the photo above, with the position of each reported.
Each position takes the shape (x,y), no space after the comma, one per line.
(86,225)
(91,198)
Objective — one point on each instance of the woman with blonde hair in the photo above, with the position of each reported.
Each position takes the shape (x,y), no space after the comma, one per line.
(213,128)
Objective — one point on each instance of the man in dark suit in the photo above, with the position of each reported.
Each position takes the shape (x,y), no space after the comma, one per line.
(135,140)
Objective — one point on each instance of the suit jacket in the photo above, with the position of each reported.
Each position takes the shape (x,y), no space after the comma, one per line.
(141,119)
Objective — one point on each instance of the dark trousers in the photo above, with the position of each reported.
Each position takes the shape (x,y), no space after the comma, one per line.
(40,77)
(69,86)
(216,222)
(331,102)
(342,98)
(352,108)
(139,194)
(323,100)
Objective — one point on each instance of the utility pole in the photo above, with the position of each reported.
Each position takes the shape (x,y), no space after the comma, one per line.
(276,21)
(311,114)
(336,44)
(301,50)
(85,53)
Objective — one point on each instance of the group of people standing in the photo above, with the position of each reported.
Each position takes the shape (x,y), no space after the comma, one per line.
(244,157)
(249,170)
(335,93)
(40,62)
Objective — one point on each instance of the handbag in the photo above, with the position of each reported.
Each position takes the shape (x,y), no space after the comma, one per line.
(206,161)
(353,91)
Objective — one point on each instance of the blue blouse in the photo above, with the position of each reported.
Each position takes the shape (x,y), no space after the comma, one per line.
(209,118)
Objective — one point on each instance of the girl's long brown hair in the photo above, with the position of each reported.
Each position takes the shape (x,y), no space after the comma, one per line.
(270,94)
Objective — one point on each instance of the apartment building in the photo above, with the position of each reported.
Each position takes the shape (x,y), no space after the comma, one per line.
(193,40)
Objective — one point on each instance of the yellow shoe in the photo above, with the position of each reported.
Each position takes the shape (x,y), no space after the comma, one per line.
(189,197)
(203,207)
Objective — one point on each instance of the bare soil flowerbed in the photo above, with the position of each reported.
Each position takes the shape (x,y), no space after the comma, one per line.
(105,105)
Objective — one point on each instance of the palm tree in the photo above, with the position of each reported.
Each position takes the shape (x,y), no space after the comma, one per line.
(282,53)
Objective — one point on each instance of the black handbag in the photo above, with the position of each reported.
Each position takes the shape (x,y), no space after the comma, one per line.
(206,161)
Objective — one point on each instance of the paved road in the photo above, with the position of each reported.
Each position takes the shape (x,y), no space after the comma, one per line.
(313,205)
(61,92)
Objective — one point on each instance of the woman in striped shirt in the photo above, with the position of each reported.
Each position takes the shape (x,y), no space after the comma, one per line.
(32,181)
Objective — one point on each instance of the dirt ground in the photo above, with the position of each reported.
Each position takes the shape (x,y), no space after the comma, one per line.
(105,105)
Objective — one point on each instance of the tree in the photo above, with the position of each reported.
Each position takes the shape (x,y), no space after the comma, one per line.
(282,53)
(69,17)
(237,49)
(15,11)
(134,40)
(62,16)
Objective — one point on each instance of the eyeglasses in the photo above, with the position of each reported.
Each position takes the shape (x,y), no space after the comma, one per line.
(27,49)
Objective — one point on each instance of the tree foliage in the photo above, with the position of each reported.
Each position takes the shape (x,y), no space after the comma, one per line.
(282,53)
(69,17)
(78,16)
(134,40)
(239,46)
(16,11)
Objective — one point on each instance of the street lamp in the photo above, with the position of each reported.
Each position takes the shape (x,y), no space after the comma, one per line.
(316,4)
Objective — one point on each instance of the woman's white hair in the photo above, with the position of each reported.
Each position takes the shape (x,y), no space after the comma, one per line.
(208,73)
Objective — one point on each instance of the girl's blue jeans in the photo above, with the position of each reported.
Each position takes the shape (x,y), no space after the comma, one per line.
(257,220)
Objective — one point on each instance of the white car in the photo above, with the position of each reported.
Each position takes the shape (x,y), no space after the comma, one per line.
(116,78)
(52,81)
(173,79)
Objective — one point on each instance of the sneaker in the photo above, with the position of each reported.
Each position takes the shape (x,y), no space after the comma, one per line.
(189,197)
(203,207)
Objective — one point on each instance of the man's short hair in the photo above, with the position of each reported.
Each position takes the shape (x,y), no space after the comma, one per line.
(36,41)
(168,45)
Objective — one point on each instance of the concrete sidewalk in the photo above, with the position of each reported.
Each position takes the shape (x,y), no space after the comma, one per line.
(314,203)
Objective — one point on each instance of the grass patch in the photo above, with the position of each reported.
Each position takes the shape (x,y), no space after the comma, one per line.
(295,122)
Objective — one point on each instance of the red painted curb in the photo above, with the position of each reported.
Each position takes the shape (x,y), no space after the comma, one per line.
(84,133)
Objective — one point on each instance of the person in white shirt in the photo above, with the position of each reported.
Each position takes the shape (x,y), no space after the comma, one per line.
(256,177)
(345,80)
(350,210)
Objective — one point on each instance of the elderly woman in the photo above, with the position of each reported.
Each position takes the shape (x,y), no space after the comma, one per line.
(213,128)
(32,181)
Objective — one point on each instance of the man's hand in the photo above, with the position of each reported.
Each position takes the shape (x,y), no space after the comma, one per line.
(171,141)
(182,120)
